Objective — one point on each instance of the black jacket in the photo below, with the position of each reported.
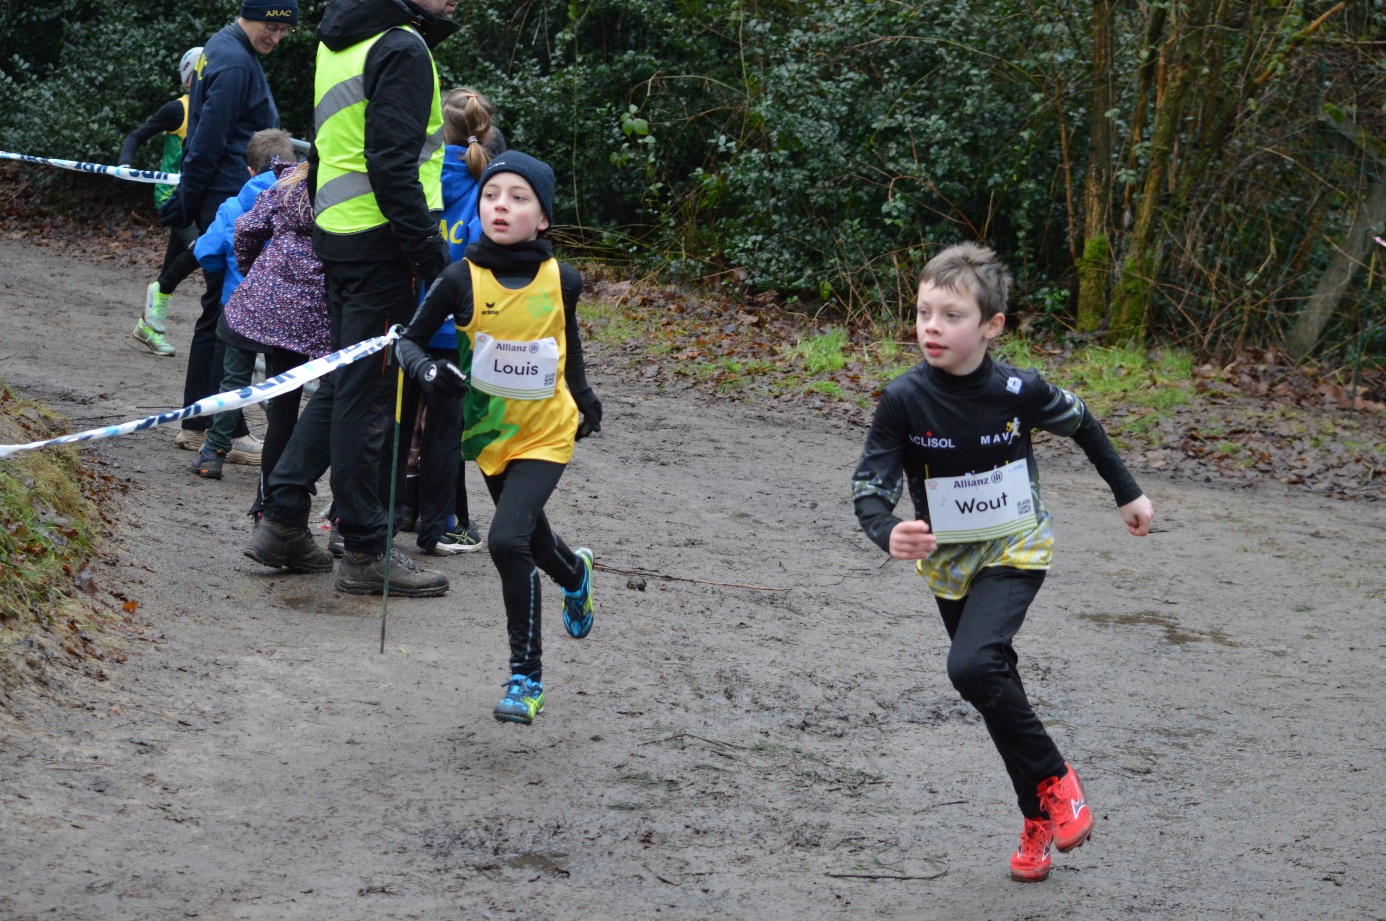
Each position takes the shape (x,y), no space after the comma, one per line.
(933,424)
(399,88)
(229,101)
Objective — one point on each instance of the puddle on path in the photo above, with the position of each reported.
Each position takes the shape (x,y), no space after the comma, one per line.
(536,861)
(330,602)
(1175,635)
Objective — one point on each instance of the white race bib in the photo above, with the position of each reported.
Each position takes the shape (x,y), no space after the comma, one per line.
(515,370)
(981,506)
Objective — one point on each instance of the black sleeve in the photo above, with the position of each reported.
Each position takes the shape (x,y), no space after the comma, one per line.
(399,98)
(1063,413)
(880,476)
(450,295)
(574,369)
(168,118)
(221,108)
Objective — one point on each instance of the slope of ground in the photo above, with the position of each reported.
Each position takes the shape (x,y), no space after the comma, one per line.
(759,717)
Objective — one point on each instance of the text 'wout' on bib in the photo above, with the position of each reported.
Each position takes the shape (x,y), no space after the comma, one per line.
(981,506)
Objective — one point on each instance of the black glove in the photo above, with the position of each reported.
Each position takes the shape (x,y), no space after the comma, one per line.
(591,409)
(443,378)
(172,214)
(431,263)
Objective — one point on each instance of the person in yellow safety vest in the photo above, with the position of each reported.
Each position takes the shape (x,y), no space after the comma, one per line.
(171,120)
(377,199)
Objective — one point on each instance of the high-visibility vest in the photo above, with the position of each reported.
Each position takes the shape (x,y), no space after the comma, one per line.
(344,202)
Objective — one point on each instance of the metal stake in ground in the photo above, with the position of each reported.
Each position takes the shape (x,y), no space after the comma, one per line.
(390,514)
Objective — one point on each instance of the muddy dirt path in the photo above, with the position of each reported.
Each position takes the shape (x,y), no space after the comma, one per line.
(709,751)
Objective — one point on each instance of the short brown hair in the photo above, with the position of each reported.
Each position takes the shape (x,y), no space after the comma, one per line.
(976,269)
(265,145)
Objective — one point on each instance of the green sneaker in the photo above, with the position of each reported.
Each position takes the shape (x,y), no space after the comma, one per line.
(577,606)
(156,308)
(153,339)
(523,701)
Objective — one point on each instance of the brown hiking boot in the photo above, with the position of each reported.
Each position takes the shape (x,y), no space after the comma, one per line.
(284,547)
(364,574)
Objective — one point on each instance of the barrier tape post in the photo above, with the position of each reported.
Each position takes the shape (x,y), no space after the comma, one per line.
(119,172)
(224,402)
(390,515)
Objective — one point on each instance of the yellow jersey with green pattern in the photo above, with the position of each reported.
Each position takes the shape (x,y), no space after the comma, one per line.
(515,349)
(962,443)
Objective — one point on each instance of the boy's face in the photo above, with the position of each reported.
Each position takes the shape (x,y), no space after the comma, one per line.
(951,331)
(510,211)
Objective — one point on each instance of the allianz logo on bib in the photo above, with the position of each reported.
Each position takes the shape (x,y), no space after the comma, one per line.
(928,440)
(516,347)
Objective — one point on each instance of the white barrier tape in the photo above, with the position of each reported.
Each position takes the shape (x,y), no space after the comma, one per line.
(232,399)
(120,172)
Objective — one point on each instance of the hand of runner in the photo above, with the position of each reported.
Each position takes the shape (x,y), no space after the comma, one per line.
(912,540)
(443,377)
(1138,513)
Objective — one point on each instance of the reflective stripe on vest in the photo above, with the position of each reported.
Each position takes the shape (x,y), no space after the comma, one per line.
(344,201)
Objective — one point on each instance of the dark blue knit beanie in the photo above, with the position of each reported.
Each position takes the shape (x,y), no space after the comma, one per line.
(536,172)
(271,10)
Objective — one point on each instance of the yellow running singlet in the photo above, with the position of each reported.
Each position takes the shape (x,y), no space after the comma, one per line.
(518,405)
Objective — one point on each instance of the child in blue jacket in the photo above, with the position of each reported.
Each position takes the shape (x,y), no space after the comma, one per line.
(215,253)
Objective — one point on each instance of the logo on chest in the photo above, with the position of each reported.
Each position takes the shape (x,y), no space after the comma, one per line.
(1009,435)
(930,440)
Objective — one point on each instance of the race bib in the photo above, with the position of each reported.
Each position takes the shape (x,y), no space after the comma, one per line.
(515,370)
(981,506)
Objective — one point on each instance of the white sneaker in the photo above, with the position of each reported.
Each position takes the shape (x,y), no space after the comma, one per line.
(189,439)
(245,450)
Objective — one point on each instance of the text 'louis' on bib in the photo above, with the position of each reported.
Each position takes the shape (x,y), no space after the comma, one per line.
(515,370)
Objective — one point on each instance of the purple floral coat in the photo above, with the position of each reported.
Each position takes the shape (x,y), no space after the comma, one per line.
(282,300)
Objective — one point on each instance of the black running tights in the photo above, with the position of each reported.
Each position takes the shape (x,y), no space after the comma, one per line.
(521,544)
(982,666)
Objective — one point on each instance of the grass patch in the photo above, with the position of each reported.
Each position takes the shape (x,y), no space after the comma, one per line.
(827,388)
(50,520)
(609,323)
(823,353)
(1018,351)
(1110,378)
(47,524)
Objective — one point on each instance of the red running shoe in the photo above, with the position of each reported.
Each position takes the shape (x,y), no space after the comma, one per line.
(1030,862)
(1063,798)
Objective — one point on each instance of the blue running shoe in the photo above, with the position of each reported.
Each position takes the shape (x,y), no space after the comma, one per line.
(577,606)
(523,701)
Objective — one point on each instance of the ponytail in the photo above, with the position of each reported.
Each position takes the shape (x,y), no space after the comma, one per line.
(467,122)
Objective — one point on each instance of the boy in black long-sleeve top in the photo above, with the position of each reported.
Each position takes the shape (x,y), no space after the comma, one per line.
(957,428)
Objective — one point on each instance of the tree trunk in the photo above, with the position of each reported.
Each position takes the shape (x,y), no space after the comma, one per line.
(1132,301)
(1145,85)
(1095,264)
(1354,250)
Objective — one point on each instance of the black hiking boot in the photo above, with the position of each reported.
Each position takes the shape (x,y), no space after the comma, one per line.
(364,574)
(284,547)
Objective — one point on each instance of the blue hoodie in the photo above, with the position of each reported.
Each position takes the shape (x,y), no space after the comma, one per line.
(213,249)
(461,224)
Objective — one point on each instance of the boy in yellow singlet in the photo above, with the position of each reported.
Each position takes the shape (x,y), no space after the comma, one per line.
(525,400)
